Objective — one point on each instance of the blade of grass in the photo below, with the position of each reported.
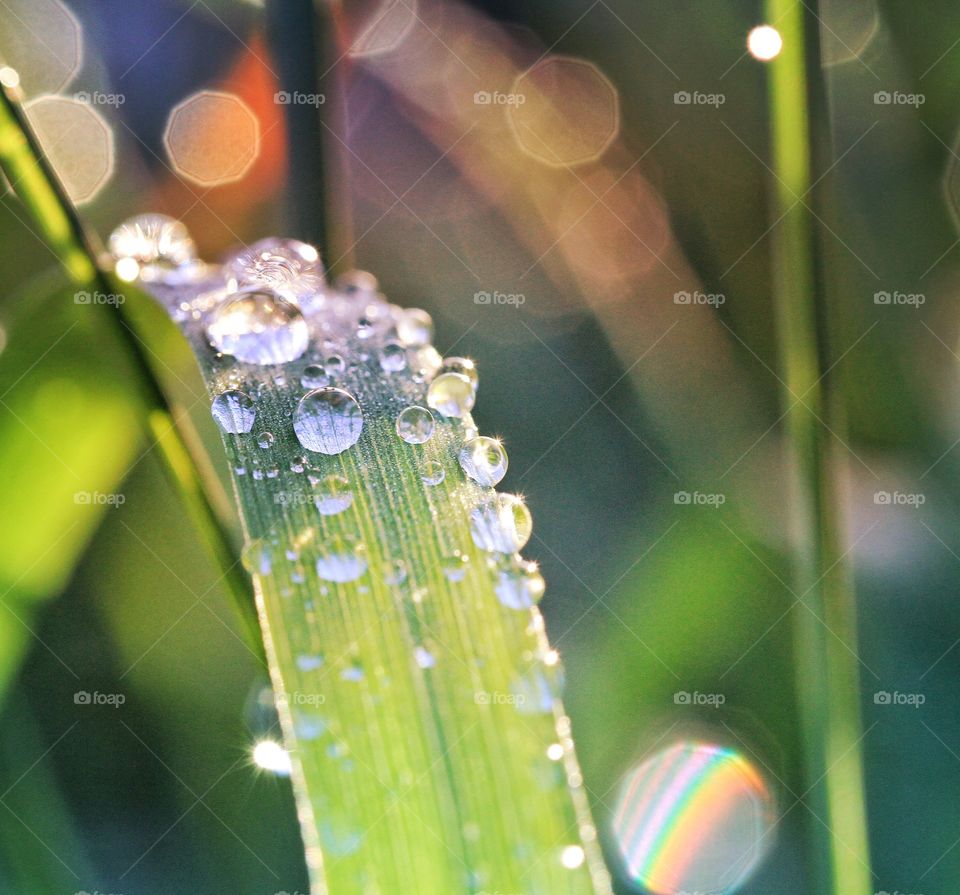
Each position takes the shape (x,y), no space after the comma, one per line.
(828,680)
(58,225)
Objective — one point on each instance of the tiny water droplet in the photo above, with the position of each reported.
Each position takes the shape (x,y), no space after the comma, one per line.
(353,672)
(501,524)
(314,376)
(414,327)
(257,557)
(452,394)
(309,661)
(357,283)
(395,572)
(415,424)
(265,439)
(432,472)
(332,495)
(462,365)
(328,421)
(424,658)
(393,357)
(258,326)
(334,364)
(519,584)
(455,566)
(342,560)
(234,411)
(484,460)
(153,245)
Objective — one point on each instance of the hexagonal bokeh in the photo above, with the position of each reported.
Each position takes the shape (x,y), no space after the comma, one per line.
(43,41)
(212,138)
(847,27)
(375,27)
(76,140)
(563,111)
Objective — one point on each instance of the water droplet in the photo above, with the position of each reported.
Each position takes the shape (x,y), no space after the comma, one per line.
(332,495)
(342,560)
(309,661)
(153,246)
(308,725)
(356,283)
(234,411)
(271,756)
(393,358)
(353,672)
(462,365)
(432,472)
(258,326)
(314,376)
(501,524)
(536,693)
(455,566)
(290,267)
(395,572)
(265,439)
(257,557)
(415,425)
(424,658)
(414,328)
(334,365)
(328,421)
(555,752)
(519,584)
(451,394)
(365,328)
(484,460)
(572,856)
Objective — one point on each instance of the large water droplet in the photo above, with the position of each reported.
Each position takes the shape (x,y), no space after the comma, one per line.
(451,394)
(432,472)
(332,495)
(501,524)
(462,365)
(414,327)
(289,266)
(484,460)
(341,560)
(151,245)
(328,421)
(258,326)
(314,376)
(415,425)
(234,411)
(519,584)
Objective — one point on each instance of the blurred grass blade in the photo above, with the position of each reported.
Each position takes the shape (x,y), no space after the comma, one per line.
(826,635)
(136,324)
(418,706)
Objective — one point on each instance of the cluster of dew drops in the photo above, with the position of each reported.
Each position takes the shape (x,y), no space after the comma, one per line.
(266,305)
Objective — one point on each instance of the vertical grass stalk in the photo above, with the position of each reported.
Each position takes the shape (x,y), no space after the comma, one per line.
(825,636)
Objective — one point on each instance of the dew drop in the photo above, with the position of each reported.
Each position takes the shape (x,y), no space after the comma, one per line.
(572,856)
(415,424)
(341,560)
(289,266)
(314,376)
(265,439)
(484,460)
(334,365)
(519,584)
(414,328)
(501,524)
(258,326)
(257,557)
(353,672)
(328,421)
(451,394)
(332,495)
(309,661)
(432,472)
(393,357)
(455,566)
(234,411)
(395,572)
(357,283)
(152,245)
(462,365)
(424,658)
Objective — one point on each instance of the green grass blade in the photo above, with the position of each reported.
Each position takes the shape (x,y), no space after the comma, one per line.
(419,713)
(826,636)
